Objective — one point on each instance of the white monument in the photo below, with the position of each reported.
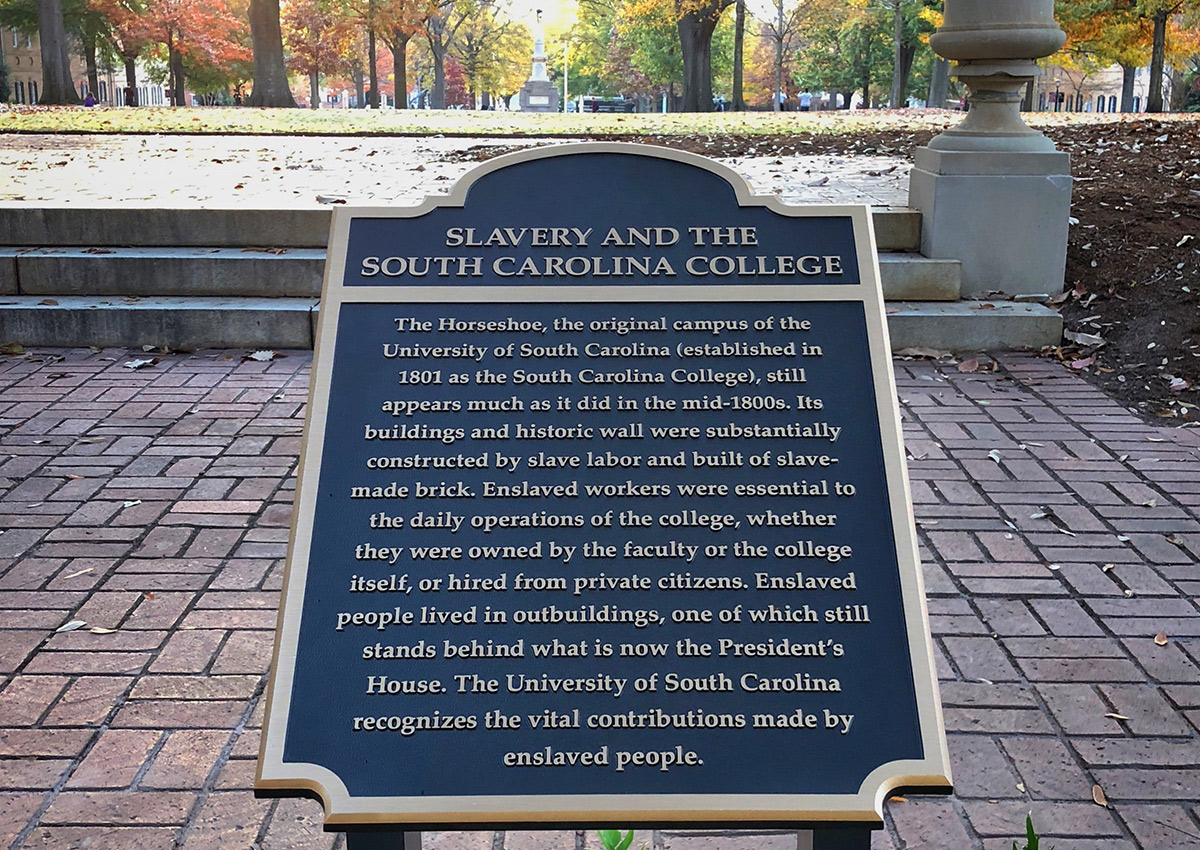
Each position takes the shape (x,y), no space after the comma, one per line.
(539,94)
(993,192)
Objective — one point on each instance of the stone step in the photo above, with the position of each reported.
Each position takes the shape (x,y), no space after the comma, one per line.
(185,323)
(296,273)
(896,228)
(972,325)
(911,277)
(177,323)
(198,272)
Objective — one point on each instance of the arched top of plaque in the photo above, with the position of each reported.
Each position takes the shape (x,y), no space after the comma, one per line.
(560,307)
(587,204)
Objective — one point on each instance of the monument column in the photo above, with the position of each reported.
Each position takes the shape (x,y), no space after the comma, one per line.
(539,94)
(993,192)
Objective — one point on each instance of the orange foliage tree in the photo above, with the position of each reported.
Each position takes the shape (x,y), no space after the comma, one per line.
(318,35)
(203,31)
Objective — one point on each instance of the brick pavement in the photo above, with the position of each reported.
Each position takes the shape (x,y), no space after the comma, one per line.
(1060,535)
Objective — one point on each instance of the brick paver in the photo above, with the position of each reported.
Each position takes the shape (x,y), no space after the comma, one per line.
(153,505)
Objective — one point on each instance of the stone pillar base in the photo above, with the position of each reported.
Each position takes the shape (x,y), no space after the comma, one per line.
(538,96)
(1004,215)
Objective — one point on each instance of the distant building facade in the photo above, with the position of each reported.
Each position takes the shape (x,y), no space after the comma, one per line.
(1070,90)
(22,54)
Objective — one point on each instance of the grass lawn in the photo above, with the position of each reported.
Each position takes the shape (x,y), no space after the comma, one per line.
(241,120)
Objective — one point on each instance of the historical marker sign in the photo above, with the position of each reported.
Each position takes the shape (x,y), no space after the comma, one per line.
(602,515)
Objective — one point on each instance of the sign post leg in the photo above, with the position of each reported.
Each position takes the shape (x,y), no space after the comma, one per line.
(390,840)
(834,839)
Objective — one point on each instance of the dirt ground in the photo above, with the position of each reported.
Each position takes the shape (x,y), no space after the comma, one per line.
(1132,299)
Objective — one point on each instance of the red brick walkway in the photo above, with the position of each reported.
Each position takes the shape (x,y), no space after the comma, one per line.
(1063,573)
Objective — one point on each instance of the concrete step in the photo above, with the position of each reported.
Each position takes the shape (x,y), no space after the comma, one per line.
(296,273)
(972,325)
(896,228)
(911,277)
(203,272)
(185,323)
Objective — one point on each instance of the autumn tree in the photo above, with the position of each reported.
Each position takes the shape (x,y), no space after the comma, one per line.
(318,34)
(399,21)
(848,47)
(492,51)
(441,29)
(199,30)
(128,36)
(590,38)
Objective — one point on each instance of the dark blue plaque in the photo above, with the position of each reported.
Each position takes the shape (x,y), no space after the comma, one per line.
(602,513)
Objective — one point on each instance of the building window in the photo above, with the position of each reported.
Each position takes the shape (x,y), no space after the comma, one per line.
(1042,102)
(1112,103)
(104,91)
(20,91)
(1137,104)
(1100,103)
(33,92)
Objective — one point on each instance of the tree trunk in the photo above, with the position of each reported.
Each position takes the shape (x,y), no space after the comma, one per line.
(131,92)
(739,39)
(779,97)
(1154,100)
(57,87)
(314,90)
(695,40)
(1128,75)
(400,67)
(360,95)
(939,83)
(437,98)
(372,69)
(908,52)
(89,59)
(897,49)
(270,77)
(1179,91)
(177,94)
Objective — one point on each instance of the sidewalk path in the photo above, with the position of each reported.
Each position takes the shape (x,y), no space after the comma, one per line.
(272,172)
(1060,535)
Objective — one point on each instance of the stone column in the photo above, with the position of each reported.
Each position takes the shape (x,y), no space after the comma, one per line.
(993,192)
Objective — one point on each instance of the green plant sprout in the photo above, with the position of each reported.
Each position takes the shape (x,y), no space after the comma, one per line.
(1032,842)
(614,839)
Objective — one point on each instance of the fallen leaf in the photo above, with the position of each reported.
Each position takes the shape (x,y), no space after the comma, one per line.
(1098,796)
(140,364)
(47,302)
(1161,639)
(78,573)
(971,365)
(994,454)
(12,348)
(101,631)
(1151,503)
(131,503)
(930,353)
(1084,339)
(71,626)
(262,356)
(1116,716)
(1084,363)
